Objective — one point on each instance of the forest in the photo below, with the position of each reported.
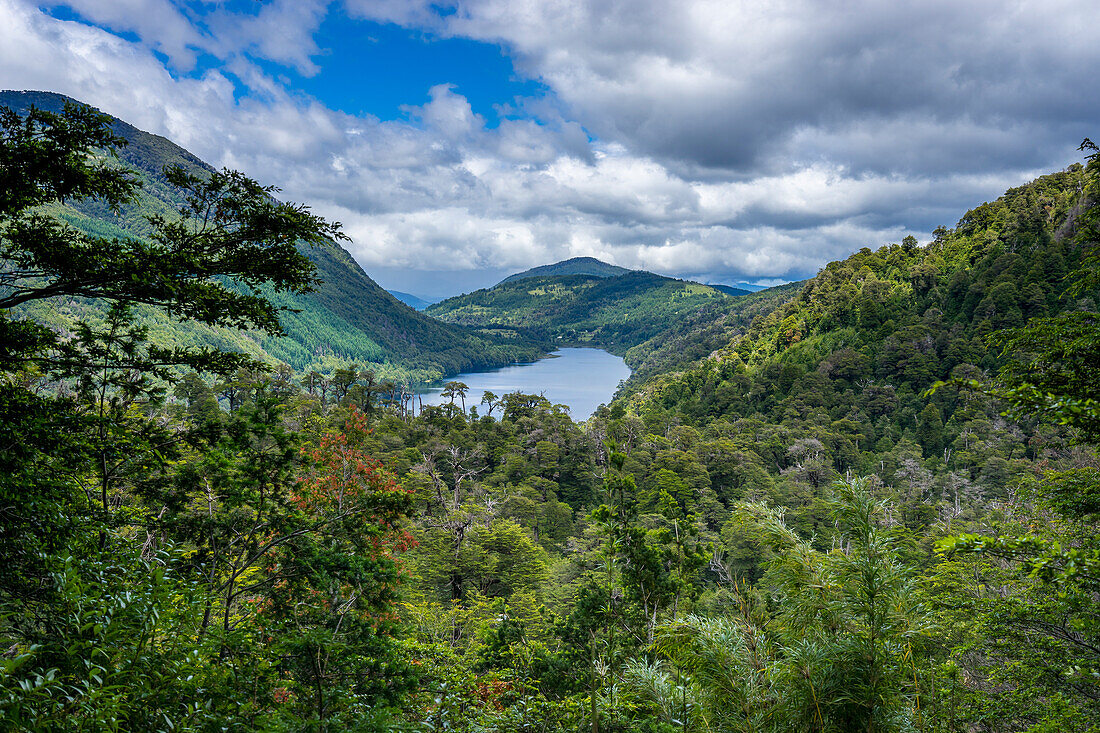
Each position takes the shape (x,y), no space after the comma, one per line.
(614,312)
(866,502)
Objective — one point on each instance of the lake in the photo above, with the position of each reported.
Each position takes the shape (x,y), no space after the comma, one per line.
(581,379)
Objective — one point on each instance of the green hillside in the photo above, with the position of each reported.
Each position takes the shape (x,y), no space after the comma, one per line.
(573,266)
(865,502)
(348,318)
(614,313)
(704,332)
(846,357)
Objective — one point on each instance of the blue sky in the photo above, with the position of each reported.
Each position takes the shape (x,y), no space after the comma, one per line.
(363,67)
(460,140)
(380,69)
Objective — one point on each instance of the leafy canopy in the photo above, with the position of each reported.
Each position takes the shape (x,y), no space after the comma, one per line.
(231,243)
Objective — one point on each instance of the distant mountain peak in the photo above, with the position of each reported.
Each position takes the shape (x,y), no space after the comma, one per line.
(413,301)
(572,266)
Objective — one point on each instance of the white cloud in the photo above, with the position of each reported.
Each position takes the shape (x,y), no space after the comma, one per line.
(282,31)
(167,29)
(738,140)
(760,86)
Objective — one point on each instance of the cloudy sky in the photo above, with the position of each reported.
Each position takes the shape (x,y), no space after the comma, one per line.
(721,140)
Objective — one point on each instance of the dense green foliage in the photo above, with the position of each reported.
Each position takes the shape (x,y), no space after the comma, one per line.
(836,382)
(866,502)
(951,589)
(612,312)
(703,333)
(168,567)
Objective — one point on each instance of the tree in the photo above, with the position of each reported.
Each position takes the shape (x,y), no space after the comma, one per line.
(343,378)
(1050,375)
(930,430)
(311,382)
(490,400)
(853,620)
(841,651)
(456,389)
(87,584)
(229,227)
(336,579)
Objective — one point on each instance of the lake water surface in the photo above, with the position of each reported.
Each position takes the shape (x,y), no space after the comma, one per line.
(581,379)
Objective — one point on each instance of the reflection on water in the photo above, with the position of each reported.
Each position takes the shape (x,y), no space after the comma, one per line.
(581,379)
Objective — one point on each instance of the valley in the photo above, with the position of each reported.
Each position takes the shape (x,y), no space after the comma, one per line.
(863,501)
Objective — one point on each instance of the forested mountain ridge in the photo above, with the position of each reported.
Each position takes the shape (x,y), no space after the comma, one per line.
(614,312)
(704,333)
(572,266)
(347,318)
(831,377)
(902,314)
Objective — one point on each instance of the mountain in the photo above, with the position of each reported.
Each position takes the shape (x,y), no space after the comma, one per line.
(413,301)
(599,268)
(348,318)
(613,312)
(749,287)
(575,266)
(704,332)
(730,290)
(847,358)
